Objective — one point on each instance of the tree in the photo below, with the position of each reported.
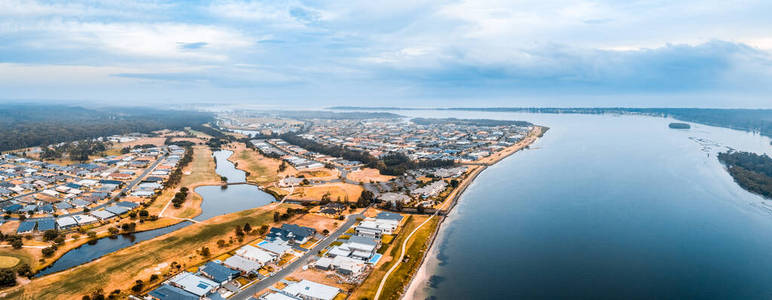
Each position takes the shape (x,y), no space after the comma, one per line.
(283,166)
(205,252)
(365,198)
(17,244)
(113,230)
(7,277)
(138,286)
(50,234)
(221,243)
(325,199)
(247,228)
(24,270)
(153,277)
(59,240)
(325,232)
(276,216)
(239,231)
(48,251)
(263,229)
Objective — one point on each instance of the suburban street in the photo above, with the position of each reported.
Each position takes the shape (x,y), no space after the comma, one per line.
(276,277)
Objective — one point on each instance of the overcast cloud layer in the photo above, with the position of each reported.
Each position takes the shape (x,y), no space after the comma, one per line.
(411,53)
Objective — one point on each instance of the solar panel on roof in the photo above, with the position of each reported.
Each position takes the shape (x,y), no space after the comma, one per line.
(46,224)
(26,226)
(127,204)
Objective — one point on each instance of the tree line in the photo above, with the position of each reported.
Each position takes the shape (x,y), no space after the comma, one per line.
(393,164)
(28,125)
(751,171)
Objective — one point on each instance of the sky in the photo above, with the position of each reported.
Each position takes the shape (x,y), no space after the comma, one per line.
(691,53)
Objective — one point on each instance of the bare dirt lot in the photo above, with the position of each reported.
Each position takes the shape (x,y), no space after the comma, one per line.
(342,191)
(368,175)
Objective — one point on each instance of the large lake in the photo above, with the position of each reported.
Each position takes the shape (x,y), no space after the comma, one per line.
(605,206)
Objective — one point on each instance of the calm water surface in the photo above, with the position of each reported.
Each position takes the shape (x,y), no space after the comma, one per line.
(217,201)
(605,207)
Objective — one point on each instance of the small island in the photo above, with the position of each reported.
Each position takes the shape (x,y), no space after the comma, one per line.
(679,126)
(751,171)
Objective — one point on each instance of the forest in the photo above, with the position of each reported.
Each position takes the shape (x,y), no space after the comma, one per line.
(27,125)
(751,171)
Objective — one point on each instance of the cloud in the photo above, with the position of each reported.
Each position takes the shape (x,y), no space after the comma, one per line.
(151,40)
(420,49)
(554,69)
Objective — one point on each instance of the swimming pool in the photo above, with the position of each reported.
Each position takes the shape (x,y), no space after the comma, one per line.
(375,258)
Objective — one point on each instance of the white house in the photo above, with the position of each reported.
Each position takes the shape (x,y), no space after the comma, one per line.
(66,222)
(197,285)
(256,254)
(309,290)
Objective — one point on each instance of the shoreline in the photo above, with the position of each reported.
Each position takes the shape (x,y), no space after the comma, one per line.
(420,274)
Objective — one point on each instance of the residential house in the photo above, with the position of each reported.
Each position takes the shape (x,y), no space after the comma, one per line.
(242,264)
(309,290)
(169,292)
(256,254)
(194,284)
(218,273)
(292,233)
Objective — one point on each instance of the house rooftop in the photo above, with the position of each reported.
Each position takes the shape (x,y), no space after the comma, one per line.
(46,224)
(26,226)
(190,282)
(309,289)
(168,292)
(218,272)
(389,216)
